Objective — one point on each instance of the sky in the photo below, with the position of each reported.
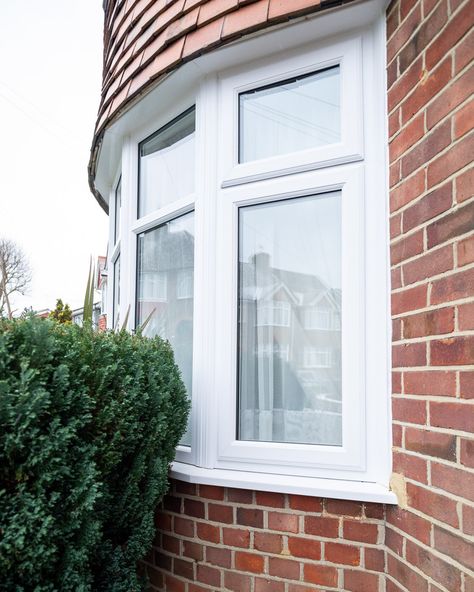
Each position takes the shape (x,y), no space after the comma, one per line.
(50,78)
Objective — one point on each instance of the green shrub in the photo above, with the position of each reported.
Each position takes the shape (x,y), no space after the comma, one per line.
(89,423)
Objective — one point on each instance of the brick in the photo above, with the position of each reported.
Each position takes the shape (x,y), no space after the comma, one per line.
(194,508)
(394,541)
(464,120)
(374,559)
(268,542)
(236,537)
(450,98)
(409,299)
(193,550)
(343,507)
(452,287)
(248,562)
(208,575)
(393,21)
(321,526)
(323,575)
(218,556)
(457,222)
(466,385)
(428,265)
(408,355)
(417,527)
(196,588)
(433,504)
(250,517)
(284,568)
(430,84)
(397,434)
(452,415)
(430,322)
(430,443)
(183,568)
(406,247)
(173,584)
(211,492)
(163,521)
(185,488)
(403,33)
(453,480)
(218,513)
(465,251)
(465,185)
(431,145)
(411,466)
(396,329)
(309,549)
(341,553)
(457,157)
(454,546)
(162,560)
(396,382)
(394,118)
(395,225)
(360,531)
(404,574)
(407,137)
(453,351)
(467,452)
(283,522)
(430,206)
(441,571)
(240,496)
(409,410)
(266,585)
(408,190)
(170,544)
(305,503)
(172,504)
(455,29)
(464,52)
(394,173)
(405,83)
(468,519)
(430,382)
(237,582)
(208,532)
(184,526)
(245,19)
(356,580)
(269,498)
(373,510)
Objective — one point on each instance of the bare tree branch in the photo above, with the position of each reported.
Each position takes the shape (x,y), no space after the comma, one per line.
(15,274)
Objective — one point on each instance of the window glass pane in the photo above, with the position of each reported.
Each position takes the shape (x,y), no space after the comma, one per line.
(116,290)
(296,114)
(167,164)
(164,288)
(289,321)
(118,206)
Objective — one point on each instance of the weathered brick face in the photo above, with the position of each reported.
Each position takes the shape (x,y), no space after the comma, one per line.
(213,538)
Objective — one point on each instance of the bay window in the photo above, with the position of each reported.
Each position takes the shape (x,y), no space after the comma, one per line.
(255,234)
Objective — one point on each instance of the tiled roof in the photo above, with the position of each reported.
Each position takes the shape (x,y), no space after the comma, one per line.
(144,39)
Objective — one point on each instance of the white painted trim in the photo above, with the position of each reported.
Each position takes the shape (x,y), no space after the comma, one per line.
(329,488)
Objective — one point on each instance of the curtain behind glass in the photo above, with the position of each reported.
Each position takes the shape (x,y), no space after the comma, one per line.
(289,352)
(165,256)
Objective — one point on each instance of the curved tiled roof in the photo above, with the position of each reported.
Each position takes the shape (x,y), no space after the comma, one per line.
(144,39)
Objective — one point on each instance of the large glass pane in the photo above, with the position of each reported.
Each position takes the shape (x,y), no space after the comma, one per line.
(167,164)
(289,321)
(165,264)
(296,114)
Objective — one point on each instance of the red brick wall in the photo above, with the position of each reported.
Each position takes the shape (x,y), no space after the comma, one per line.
(211,538)
(431,117)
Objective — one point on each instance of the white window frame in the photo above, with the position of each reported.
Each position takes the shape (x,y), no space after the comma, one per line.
(357,167)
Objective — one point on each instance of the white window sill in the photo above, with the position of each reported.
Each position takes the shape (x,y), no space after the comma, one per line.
(330,488)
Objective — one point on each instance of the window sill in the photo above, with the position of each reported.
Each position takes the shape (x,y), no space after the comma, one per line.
(330,488)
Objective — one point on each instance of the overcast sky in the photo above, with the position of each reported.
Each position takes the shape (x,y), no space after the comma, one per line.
(50,68)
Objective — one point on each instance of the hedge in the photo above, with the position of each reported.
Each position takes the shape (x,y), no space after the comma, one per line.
(89,423)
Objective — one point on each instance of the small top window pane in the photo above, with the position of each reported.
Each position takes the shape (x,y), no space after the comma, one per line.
(296,114)
(167,164)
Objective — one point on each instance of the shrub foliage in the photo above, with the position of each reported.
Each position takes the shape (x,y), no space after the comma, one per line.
(88,426)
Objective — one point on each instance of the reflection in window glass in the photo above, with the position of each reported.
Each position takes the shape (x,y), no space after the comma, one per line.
(118,206)
(165,257)
(167,164)
(289,348)
(116,291)
(293,115)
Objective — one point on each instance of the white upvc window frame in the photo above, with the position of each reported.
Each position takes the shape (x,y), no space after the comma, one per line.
(360,468)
